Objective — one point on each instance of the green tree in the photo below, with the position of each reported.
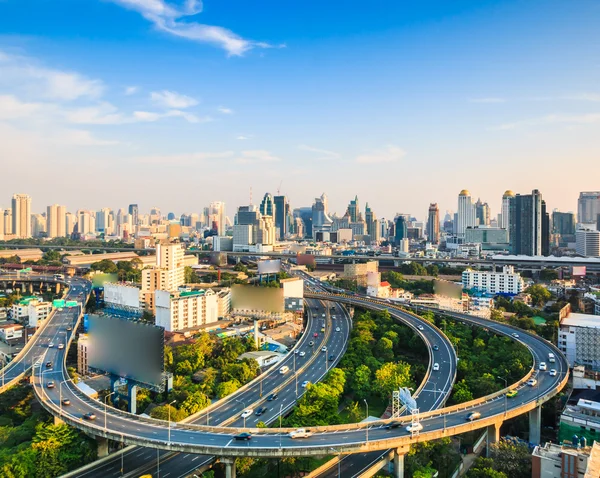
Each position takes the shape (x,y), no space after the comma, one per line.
(484,468)
(195,402)
(461,392)
(511,459)
(390,377)
(227,388)
(162,413)
(539,294)
(105,265)
(361,382)
(548,275)
(384,350)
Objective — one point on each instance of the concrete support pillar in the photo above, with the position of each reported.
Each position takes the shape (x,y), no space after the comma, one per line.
(535,424)
(58,288)
(399,454)
(31,288)
(132,397)
(102,446)
(492,436)
(229,467)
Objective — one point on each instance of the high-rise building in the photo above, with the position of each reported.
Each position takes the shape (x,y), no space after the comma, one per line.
(372,224)
(482,213)
(267,206)
(433,224)
(21,216)
(466,214)
(217,216)
(283,218)
(70,223)
(529,226)
(56,217)
(85,222)
(38,225)
(168,274)
(135,214)
(353,209)
(504,218)
(563,223)
(588,207)
(320,216)
(588,242)
(401,228)
(7,219)
(103,221)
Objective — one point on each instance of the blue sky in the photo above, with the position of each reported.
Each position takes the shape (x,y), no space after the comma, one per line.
(176,104)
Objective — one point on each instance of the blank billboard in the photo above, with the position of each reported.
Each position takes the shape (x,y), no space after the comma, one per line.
(579,271)
(263,299)
(128,349)
(272,266)
(121,295)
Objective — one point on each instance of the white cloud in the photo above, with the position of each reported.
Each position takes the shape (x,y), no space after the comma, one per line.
(167,18)
(170,99)
(487,100)
(225,111)
(588,118)
(78,137)
(257,156)
(12,108)
(389,154)
(24,73)
(594,97)
(131,90)
(243,137)
(322,153)
(184,159)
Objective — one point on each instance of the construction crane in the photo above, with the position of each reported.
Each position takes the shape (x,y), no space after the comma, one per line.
(279,188)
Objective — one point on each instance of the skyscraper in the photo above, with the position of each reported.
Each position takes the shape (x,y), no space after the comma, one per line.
(401,228)
(505,213)
(135,214)
(529,225)
(85,222)
(38,225)
(267,206)
(433,224)
(217,215)
(466,214)
(320,215)
(56,217)
(21,216)
(482,213)
(353,209)
(372,224)
(103,221)
(588,207)
(283,217)
(563,227)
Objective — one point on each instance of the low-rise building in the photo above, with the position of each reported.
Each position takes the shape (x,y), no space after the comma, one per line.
(359,271)
(564,461)
(10,333)
(176,311)
(31,310)
(506,282)
(264,358)
(82,355)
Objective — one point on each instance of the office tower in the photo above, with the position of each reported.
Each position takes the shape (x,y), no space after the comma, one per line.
(320,215)
(401,228)
(588,207)
(21,216)
(217,216)
(433,224)
(170,216)
(529,225)
(283,218)
(588,243)
(372,224)
(56,216)
(466,215)
(267,206)
(563,227)
(353,209)
(482,213)
(8,222)
(299,227)
(103,221)
(38,225)
(266,231)
(135,214)
(504,218)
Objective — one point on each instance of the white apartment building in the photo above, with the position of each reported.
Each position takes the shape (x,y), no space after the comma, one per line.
(10,332)
(31,310)
(168,274)
(176,311)
(21,216)
(506,282)
(587,243)
(579,340)
(56,217)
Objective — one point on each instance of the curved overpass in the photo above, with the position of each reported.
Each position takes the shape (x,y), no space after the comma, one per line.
(345,438)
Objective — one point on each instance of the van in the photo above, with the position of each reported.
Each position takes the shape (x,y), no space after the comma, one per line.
(551,358)
(284,369)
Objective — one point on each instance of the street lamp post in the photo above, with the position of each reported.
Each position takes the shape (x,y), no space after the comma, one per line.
(339,454)
(106,407)
(243,405)
(280,421)
(505,396)
(367,427)
(169,410)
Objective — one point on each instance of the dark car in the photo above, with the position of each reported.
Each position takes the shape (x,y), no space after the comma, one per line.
(391,425)
(48,364)
(435,347)
(66,402)
(331,358)
(272,397)
(260,410)
(243,436)
(89,416)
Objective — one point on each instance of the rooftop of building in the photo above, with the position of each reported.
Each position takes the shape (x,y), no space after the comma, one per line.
(11,326)
(576,319)
(554,450)
(258,354)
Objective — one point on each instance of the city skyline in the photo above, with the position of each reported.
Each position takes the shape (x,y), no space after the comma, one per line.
(218,100)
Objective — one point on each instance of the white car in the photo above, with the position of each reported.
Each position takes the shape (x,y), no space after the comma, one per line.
(61,346)
(297,351)
(543,366)
(515,335)
(553,372)
(50,345)
(413,428)
(531,382)
(323,349)
(305,384)
(436,367)
(300,433)
(302,354)
(247,413)
(337,329)
(421,327)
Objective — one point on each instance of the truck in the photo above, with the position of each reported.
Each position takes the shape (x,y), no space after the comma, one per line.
(300,433)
